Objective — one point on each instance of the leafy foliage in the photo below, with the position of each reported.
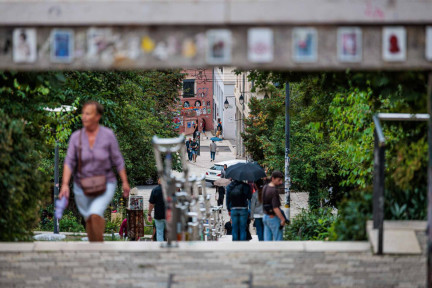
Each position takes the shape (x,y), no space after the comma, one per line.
(310,225)
(22,185)
(332,140)
(138,105)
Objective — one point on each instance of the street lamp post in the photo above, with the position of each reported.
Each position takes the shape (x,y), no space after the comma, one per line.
(287,151)
(63,108)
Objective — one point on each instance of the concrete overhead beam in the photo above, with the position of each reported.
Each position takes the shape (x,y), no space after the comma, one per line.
(214,12)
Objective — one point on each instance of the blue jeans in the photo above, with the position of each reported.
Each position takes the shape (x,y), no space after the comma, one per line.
(259,225)
(212,155)
(239,224)
(160,229)
(271,229)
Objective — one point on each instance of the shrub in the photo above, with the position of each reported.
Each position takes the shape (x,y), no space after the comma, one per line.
(69,223)
(114,226)
(22,185)
(310,225)
(351,221)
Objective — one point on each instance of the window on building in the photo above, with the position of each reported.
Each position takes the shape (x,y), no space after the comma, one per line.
(188,88)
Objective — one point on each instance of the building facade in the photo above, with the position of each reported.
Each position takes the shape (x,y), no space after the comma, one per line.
(196,101)
(243,93)
(223,93)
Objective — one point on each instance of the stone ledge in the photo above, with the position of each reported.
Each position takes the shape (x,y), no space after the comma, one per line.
(284,246)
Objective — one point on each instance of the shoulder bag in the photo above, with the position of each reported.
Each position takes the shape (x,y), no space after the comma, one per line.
(92,186)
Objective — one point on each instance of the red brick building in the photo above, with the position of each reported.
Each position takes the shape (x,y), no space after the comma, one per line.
(196,100)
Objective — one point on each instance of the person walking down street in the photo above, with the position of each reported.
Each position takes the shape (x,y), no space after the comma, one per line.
(237,196)
(273,218)
(157,203)
(213,148)
(203,127)
(92,151)
(221,195)
(189,149)
(194,147)
(195,132)
(219,128)
(257,209)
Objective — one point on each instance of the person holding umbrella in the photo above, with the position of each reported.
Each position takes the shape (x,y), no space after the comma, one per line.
(220,189)
(237,196)
(242,172)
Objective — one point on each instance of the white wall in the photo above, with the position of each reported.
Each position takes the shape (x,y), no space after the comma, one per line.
(229,123)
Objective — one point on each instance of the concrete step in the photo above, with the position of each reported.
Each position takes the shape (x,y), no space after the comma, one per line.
(399,236)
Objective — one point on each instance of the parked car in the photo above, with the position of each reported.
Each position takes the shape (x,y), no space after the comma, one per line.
(215,172)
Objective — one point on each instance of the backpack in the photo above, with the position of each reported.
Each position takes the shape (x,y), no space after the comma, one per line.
(237,197)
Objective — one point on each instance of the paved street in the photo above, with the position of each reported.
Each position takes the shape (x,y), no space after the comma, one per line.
(299,200)
(126,264)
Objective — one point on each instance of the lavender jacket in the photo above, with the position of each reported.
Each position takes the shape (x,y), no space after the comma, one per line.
(96,161)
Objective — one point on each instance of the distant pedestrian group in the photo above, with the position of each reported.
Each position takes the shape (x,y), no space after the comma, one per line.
(192,147)
(258,202)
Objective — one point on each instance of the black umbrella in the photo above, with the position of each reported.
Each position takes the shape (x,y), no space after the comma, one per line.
(245,171)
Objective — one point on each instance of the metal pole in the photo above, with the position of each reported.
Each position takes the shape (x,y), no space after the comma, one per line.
(287,151)
(381,179)
(429,230)
(56,184)
(199,143)
(375,207)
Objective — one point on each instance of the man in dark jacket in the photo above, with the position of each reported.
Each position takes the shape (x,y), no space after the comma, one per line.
(157,202)
(237,196)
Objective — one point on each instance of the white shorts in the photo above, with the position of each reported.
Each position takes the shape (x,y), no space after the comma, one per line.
(93,205)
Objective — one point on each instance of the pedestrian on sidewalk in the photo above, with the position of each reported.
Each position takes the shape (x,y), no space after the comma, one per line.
(195,132)
(203,127)
(221,195)
(219,128)
(189,149)
(194,147)
(157,202)
(273,219)
(213,148)
(237,196)
(94,149)
(257,209)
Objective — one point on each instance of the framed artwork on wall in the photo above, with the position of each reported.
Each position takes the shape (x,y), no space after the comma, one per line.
(394,44)
(305,46)
(349,44)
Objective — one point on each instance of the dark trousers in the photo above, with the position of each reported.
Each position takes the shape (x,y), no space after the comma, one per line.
(189,155)
(220,198)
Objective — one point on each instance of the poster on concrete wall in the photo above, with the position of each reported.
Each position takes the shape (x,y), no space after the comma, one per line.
(62,45)
(429,43)
(99,43)
(349,44)
(219,46)
(394,44)
(260,45)
(304,43)
(24,45)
